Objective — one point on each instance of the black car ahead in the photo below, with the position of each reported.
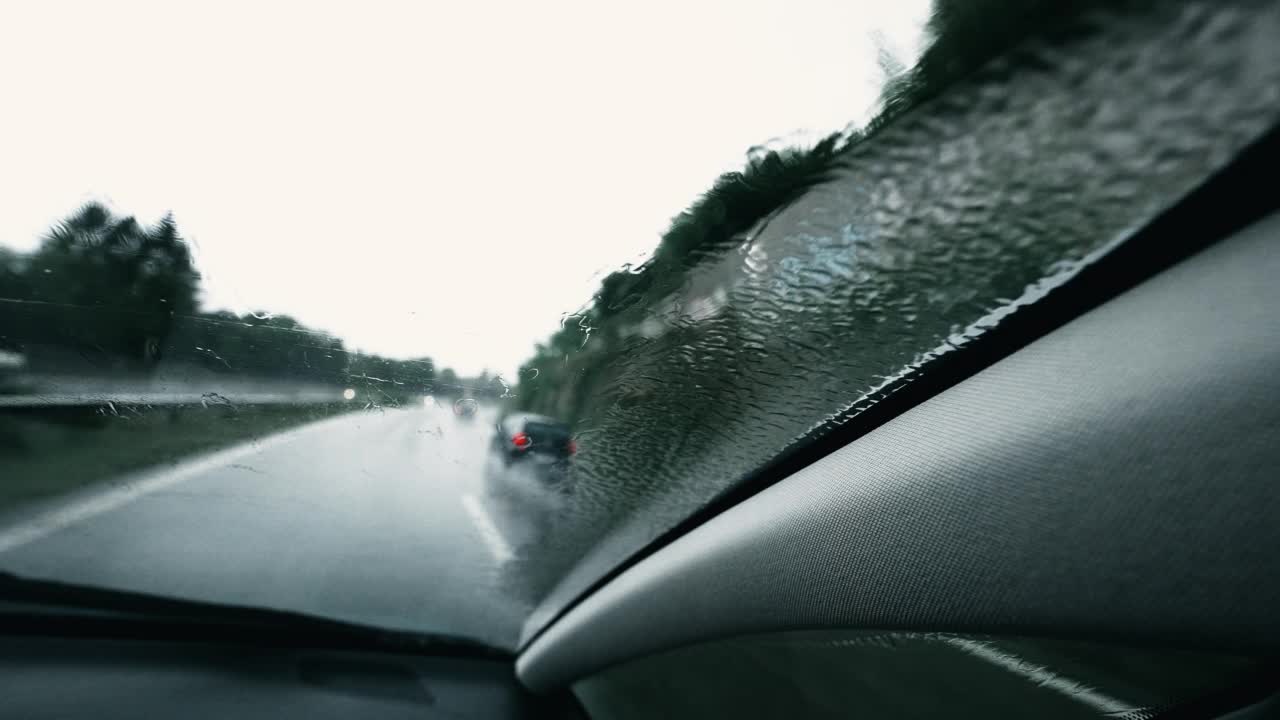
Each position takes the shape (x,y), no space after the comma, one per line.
(466,408)
(537,442)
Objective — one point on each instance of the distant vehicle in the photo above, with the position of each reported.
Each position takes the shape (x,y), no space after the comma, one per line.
(539,443)
(466,408)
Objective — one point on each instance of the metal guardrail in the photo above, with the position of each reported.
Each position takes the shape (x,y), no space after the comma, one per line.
(34,391)
(55,399)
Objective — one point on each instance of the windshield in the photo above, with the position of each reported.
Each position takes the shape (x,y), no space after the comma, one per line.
(273,278)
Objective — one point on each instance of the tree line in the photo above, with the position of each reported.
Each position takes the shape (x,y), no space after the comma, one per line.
(104,294)
(565,371)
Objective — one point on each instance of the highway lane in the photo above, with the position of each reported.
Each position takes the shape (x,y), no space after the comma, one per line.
(378,517)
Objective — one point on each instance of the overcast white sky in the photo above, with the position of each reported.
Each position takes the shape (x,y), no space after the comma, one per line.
(420,178)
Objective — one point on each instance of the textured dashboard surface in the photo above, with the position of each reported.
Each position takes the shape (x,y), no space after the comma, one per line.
(87,678)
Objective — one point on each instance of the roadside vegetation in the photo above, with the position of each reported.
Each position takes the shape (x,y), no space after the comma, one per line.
(48,453)
(568,373)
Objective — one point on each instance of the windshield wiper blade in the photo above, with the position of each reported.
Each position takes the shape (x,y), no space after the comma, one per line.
(46,607)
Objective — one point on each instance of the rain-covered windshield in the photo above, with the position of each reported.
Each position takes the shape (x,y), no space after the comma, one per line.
(292,296)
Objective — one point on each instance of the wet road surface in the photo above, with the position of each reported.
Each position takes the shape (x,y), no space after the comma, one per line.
(376,517)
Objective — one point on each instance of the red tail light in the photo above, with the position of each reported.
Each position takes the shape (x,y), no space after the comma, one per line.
(572,447)
(521,440)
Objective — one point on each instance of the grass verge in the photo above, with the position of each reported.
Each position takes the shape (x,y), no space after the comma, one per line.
(46,452)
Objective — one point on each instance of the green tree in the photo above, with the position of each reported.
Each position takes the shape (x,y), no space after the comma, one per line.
(113,285)
(13,290)
(448,384)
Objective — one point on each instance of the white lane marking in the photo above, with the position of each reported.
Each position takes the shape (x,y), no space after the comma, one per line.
(43,525)
(498,545)
(1043,676)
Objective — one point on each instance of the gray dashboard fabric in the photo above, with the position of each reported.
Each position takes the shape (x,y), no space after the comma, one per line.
(895,676)
(102,679)
(1114,479)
